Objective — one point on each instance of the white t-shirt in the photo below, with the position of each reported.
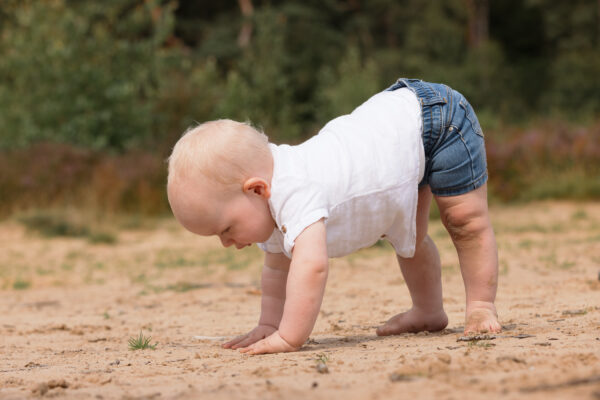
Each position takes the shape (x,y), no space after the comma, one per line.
(360,173)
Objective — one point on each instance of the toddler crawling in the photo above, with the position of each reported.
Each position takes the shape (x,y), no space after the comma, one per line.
(367,175)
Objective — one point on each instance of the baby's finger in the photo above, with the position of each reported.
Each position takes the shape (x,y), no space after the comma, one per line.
(246,342)
(234,341)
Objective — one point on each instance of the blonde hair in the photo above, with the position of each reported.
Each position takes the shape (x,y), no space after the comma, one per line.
(226,151)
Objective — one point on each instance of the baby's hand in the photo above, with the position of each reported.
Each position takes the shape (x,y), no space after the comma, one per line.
(272,344)
(256,334)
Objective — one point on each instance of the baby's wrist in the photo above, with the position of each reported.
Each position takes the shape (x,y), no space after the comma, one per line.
(268,323)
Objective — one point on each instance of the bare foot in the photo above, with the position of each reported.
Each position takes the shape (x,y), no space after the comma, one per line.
(414,321)
(481,319)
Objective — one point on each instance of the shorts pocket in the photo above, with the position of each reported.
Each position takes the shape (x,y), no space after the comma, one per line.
(470,115)
(433,100)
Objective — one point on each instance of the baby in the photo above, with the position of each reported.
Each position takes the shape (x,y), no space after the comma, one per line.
(368,175)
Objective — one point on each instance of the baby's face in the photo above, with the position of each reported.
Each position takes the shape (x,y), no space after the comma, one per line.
(239,218)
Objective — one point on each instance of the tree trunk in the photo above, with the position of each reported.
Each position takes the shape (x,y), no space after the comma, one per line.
(478,13)
(246,32)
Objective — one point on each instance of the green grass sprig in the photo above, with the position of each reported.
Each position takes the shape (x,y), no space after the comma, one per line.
(141,342)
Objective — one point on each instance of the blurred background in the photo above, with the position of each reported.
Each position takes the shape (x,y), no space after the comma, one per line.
(93,94)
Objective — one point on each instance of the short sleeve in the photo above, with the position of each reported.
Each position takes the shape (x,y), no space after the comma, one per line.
(301,204)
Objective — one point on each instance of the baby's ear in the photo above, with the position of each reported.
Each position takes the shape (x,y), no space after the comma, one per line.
(258,186)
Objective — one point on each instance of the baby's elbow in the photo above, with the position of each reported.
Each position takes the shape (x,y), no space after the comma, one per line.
(320,267)
(316,262)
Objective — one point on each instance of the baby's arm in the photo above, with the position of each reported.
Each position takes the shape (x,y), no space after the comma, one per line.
(273,281)
(304,292)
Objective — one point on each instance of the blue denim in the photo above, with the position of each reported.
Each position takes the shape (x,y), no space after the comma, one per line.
(455,161)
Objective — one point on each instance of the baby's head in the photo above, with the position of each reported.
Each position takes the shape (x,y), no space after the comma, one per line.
(220,181)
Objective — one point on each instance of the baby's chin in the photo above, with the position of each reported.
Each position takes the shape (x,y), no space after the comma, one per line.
(265,237)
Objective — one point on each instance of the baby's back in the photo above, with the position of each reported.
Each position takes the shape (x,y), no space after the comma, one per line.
(366,167)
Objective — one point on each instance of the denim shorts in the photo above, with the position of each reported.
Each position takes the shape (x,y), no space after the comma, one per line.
(455,161)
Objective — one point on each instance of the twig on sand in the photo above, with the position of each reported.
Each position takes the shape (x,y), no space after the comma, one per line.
(569,383)
(214,338)
(475,338)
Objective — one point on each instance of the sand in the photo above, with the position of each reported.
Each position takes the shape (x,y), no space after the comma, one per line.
(68,308)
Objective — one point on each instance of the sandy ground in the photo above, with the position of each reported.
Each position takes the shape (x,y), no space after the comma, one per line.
(69,307)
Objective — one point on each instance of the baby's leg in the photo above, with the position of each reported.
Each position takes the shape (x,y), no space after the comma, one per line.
(467,220)
(422,274)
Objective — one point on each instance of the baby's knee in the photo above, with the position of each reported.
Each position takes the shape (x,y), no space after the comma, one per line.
(465,223)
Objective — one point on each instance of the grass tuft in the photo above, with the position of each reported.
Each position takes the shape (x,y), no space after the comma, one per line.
(322,358)
(21,285)
(53,224)
(62,224)
(579,215)
(102,237)
(141,342)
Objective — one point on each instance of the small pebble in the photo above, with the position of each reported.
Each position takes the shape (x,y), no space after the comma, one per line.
(54,383)
(522,336)
(322,368)
(511,358)
(41,388)
(44,387)
(574,312)
(396,377)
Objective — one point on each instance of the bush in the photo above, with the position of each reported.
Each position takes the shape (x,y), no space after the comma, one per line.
(552,160)
(259,89)
(58,175)
(575,89)
(342,90)
(84,73)
(66,224)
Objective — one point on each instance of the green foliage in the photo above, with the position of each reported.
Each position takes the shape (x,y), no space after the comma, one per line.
(119,75)
(129,73)
(83,72)
(141,343)
(575,89)
(259,89)
(190,95)
(344,89)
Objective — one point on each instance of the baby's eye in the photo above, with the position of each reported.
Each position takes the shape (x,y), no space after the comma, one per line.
(226,230)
